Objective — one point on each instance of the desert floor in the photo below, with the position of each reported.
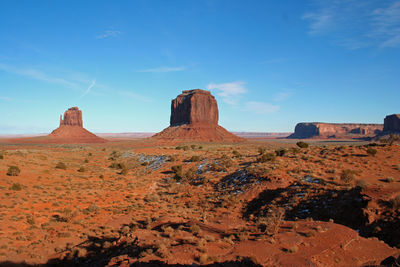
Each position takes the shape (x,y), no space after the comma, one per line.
(142,202)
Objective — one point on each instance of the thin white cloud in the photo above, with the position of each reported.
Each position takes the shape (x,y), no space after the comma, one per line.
(261,108)
(228,91)
(36,74)
(282,96)
(89,88)
(5,98)
(109,33)
(135,96)
(164,69)
(355,24)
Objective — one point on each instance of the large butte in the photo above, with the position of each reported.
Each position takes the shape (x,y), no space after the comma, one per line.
(194,117)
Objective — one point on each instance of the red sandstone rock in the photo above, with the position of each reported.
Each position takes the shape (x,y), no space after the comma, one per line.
(194,117)
(72,117)
(392,123)
(335,130)
(71,130)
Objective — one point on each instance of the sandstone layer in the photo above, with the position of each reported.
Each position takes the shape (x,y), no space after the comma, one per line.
(391,123)
(194,117)
(335,130)
(71,130)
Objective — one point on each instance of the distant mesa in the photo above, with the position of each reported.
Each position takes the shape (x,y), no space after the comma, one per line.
(391,124)
(71,130)
(335,130)
(194,116)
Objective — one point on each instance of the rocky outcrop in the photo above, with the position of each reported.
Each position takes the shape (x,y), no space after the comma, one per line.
(194,117)
(72,117)
(194,107)
(391,124)
(335,130)
(71,130)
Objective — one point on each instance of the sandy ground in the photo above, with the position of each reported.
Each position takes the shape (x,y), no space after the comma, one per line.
(124,202)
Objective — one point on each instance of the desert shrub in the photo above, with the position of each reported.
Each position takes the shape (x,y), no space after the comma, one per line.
(362,184)
(226,162)
(177,170)
(217,168)
(293,249)
(302,144)
(185,148)
(193,146)
(261,150)
(146,163)
(1,156)
(395,202)
(30,220)
(124,171)
(118,166)
(236,154)
(371,151)
(272,221)
(267,157)
(190,174)
(81,169)
(61,165)
(16,187)
(294,150)
(195,229)
(194,159)
(13,171)
(347,176)
(280,152)
(86,161)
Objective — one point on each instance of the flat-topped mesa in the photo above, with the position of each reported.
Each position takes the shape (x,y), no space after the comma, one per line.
(194,117)
(194,107)
(392,123)
(335,130)
(72,117)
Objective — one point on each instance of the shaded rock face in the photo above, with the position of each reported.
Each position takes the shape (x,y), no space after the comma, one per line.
(194,117)
(72,117)
(194,107)
(392,123)
(335,130)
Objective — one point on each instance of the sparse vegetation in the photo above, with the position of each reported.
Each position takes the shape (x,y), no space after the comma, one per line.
(280,152)
(302,144)
(16,187)
(13,171)
(61,165)
(347,176)
(267,157)
(371,151)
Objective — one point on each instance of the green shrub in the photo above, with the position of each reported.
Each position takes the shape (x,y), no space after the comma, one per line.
(280,152)
(1,156)
(347,176)
(13,171)
(16,187)
(267,157)
(371,151)
(61,165)
(86,161)
(261,150)
(302,144)
(193,146)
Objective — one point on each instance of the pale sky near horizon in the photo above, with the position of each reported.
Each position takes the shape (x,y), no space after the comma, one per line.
(270,64)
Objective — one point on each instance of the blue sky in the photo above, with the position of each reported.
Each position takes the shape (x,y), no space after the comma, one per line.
(270,64)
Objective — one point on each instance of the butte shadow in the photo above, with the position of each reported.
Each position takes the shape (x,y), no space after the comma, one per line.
(194,117)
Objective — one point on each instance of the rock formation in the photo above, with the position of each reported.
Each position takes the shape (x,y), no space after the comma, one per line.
(391,124)
(194,117)
(335,130)
(71,130)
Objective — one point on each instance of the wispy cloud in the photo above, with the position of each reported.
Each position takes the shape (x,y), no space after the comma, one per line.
(36,74)
(89,88)
(355,24)
(261,108)
(135,96)
(108,34)
(164,69)
(5,98)
(228,91)
(282,96)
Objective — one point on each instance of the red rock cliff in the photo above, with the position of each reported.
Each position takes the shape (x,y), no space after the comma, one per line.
(72,117)
(335,130)
(194,107)
(392,123)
